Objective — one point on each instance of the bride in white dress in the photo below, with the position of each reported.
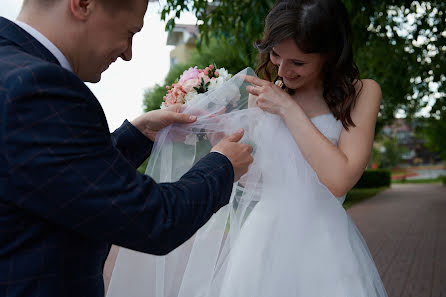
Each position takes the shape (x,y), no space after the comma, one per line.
(284,232)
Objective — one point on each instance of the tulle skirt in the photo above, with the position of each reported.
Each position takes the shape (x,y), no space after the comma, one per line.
(282,234)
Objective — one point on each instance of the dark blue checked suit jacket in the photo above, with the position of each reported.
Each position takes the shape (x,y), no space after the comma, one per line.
(69,189)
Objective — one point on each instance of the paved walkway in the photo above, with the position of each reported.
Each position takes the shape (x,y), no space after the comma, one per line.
(405,229)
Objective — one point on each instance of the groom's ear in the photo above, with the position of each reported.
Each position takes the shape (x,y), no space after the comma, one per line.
(82,9)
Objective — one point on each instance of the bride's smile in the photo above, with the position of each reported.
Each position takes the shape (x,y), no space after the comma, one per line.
(296,68)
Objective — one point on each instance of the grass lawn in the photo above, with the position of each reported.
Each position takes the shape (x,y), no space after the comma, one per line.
(357,195)
(400,172)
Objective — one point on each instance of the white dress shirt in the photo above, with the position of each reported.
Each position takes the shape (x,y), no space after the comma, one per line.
(46,43)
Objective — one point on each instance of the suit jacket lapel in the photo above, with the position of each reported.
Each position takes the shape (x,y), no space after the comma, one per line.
(13,33)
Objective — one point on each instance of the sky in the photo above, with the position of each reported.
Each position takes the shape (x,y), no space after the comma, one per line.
(122,86)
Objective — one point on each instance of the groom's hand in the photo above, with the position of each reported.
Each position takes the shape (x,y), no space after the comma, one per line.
(153,121)
(238,153)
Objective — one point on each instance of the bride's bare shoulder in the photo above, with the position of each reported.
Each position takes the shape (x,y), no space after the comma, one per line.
(368,88)
(368,101)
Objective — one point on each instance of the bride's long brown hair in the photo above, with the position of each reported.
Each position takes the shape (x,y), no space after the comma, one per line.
(317,26)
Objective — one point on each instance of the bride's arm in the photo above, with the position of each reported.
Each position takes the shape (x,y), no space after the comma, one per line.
(338,167)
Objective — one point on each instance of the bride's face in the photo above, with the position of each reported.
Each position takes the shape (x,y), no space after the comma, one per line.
(296,68)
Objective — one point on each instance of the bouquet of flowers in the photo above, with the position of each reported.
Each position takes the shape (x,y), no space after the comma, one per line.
(194,81)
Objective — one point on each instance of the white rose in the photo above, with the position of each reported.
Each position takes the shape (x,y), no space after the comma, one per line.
(223,73)
(189,96)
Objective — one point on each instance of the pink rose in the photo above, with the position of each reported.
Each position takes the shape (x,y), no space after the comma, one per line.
(191,73)
(189,85)
(170,99)
(203,76)
(174,95)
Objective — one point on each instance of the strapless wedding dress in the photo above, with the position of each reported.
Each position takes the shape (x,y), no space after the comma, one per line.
(282,234)
(298,240)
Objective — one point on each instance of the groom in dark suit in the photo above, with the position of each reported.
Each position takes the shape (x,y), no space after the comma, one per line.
(69,189)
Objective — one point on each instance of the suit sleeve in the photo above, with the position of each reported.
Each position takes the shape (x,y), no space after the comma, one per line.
(132,143)
(64,168)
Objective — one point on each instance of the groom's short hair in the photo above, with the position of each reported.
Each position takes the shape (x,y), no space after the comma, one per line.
(111,5)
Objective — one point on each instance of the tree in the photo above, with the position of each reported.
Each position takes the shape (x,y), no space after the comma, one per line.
(434,134)
(239,22)
(391,152)
(398,43)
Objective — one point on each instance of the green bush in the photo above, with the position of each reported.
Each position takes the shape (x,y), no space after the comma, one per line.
(357,195)
(443,179)
(374,179)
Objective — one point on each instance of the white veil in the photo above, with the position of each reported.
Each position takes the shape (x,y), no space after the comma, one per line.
(282,234)
(199,264)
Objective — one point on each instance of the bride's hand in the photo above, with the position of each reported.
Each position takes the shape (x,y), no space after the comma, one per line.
(270,98)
